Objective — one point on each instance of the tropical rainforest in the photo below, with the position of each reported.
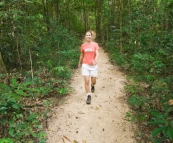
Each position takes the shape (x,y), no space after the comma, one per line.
(39,49)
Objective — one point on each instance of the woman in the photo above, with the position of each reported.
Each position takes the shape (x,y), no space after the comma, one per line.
(88,62)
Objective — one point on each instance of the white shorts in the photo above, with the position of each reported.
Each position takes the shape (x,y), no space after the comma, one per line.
(88,70)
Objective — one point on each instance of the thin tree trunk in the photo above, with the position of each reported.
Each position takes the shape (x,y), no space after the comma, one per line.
(68,8)
(2,65)
(98,13)
(121,24)
(3,71)
(30,57)
(18,54)
(57,10)
(129,12)
(113,13)
(46,15)
(84,15)
(15,36)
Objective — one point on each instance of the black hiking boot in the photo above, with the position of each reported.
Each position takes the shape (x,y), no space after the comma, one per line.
(92,88)
(88,99)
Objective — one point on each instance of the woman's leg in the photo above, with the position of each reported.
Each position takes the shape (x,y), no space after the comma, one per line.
(93,80)
(87,88)
(87,84)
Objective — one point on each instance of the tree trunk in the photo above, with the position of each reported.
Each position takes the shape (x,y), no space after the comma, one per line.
(2,65)
(68,9)
(57,10)
(121,24)
(46,14)
(98,15)
(84,15)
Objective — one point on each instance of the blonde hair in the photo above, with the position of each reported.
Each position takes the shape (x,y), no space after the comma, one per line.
(93,35)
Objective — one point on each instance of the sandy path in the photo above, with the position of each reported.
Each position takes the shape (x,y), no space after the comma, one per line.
(100,122)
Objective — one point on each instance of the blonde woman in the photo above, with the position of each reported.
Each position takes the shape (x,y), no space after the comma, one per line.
(88,62)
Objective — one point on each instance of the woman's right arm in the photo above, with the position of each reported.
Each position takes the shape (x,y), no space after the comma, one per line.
(80,60)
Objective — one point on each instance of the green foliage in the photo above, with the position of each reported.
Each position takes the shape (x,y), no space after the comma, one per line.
(18,121)
(31,37)
(35,38)
(147,56)
(6,140)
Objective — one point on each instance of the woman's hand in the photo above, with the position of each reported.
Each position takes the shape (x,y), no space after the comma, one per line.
(94,62)
(79,65)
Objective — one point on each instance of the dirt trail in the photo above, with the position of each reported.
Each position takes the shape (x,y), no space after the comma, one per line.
(100,122)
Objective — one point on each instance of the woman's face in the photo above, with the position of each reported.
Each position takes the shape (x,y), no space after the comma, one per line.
(88,36)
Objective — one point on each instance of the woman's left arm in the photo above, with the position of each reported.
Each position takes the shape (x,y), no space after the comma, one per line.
(97,55)
(94,62)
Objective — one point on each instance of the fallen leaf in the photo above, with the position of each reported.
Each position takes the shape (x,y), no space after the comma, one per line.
(75,141)
(81,112)
(97,108)
(63,140)
(67,138)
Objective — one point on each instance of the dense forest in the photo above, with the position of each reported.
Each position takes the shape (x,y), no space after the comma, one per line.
(39,49)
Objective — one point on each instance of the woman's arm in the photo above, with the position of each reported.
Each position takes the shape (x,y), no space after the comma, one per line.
(94,62)
(80,60)
(97,55)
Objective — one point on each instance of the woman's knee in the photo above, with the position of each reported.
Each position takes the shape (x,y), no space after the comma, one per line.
(87,82)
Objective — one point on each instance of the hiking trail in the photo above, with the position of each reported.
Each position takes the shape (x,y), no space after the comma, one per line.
(103,121)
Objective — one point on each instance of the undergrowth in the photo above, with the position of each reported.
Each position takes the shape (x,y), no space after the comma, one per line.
(25,105)
(149,89)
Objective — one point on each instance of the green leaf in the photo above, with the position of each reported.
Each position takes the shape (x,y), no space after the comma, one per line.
(15,96)
(169,132)
(6,140)
(40,16)
(12,100)
(4,87)
(157,122)
(133,118)
(1,3)
(28,1)
(11,132)
(11,124)
(41,134)
(157,114)
(15,106)
(133,100)
(20,92)
(3,108)
(14,82)
(31,117)
(156,131)
(40,127)
(34,134)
